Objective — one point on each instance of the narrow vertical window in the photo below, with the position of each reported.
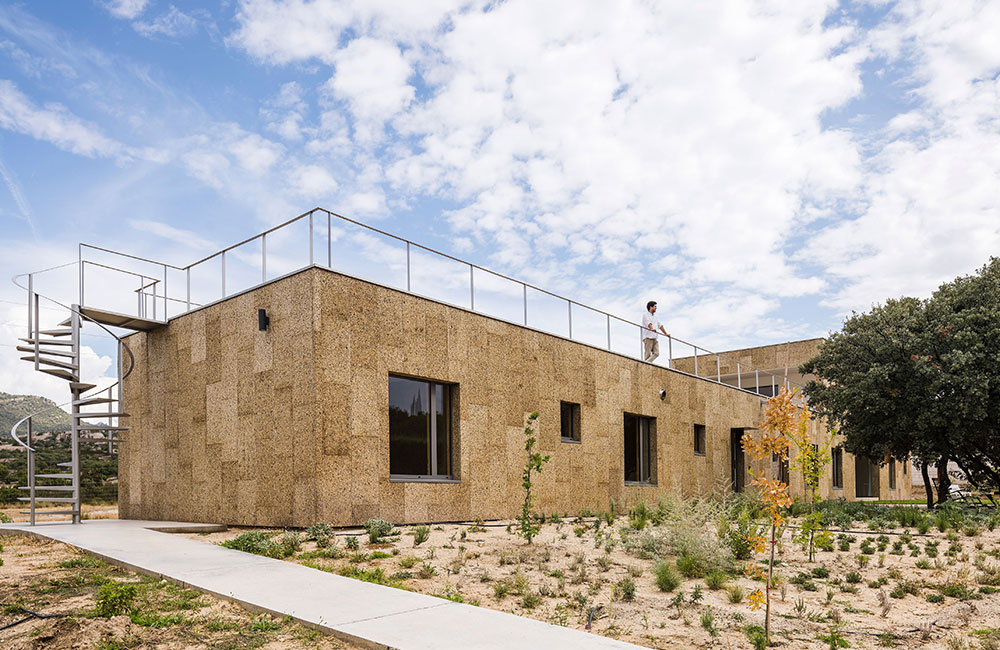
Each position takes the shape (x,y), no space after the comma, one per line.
(892,473)
(699,440)
(837,471)
(420,415)
(640,449)
(569,421)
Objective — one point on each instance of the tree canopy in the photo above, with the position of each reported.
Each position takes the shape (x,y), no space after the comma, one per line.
(919,378)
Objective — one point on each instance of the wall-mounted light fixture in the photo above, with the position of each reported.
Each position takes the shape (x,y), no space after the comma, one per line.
(663,394)
(263,320)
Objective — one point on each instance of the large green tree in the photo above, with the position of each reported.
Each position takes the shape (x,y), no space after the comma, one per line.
(918,378)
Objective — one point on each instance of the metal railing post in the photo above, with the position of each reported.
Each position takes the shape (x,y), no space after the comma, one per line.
(739,375)
(773,386)
(718,368)
(31,477)
(756,381)
(187,272)
(329,242)
(670,351)
(569,307)
(38,329)
(142,312)
(609,331)
(263,258)
(472,288)
(166,300)
(310,238)
(525,294)
(154,301)
(223,274)
(695,360)
(31,290)
(408,266)
(79,260)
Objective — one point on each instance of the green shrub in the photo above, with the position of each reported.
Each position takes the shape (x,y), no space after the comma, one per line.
(666,579)
(530,600)
(377,529)
(935,598)
(853,577)
(820,572)
(291,543)
(625,589)
(716,580)
(116,598)
(321,533)
(735,594)
(690,566)
(756,636)
(420,535)
(352,543)
(258,542)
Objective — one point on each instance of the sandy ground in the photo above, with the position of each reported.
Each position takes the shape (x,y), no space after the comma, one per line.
(570,577)
(52,578)
(106,511)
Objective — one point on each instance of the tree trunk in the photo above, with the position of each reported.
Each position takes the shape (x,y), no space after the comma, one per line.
(767,591)
(944,483)
(927,484)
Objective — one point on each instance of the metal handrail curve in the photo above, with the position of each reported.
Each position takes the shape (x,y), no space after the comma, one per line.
(122,343)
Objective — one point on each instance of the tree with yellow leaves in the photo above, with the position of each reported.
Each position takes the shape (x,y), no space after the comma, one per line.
(783,422)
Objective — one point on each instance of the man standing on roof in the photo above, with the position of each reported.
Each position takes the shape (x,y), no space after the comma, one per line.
(650,323)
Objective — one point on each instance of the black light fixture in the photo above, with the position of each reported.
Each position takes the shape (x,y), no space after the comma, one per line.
(663,394)
(263,320)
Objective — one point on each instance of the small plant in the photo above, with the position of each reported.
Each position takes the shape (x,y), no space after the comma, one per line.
(690,566)
(263,623)
(935,598)
(716,580)
(527,526)
(625,589)
(666,579)
(420,535)
(408,561)
(756,636)
(377,529)
(820,572)
(708,622)
(116,598)
(291,543)
(604,562)
(352,543)
(735,594)
(696,595)
(833,638)
(259,542)
(427,570)
(320,532)
(853,577)
(530,600)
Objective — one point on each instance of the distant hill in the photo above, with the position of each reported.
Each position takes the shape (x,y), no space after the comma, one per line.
(15,407)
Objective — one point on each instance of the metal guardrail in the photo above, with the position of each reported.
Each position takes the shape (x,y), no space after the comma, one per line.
(154,291)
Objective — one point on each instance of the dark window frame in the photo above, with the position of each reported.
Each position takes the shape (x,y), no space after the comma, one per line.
(449,394)
(837,468)
(700,440)
(892,473)
(573,420)
(645,449)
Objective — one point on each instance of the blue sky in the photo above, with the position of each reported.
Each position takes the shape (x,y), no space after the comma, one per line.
(760,168)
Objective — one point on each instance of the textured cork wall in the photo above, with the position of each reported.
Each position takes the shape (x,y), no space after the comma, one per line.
(290,426)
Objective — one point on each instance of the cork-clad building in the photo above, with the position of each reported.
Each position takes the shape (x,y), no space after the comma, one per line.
(359,401)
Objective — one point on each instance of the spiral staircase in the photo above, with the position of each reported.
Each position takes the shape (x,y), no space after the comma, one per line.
(97,418)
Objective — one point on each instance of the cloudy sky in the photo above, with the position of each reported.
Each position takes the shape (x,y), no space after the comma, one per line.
(759,168)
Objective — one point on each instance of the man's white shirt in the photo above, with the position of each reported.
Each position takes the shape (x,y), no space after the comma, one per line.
(647,320)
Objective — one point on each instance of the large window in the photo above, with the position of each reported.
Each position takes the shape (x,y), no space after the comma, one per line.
(838,468)
(569,421)
(699,440)
(420,419)
(640,449)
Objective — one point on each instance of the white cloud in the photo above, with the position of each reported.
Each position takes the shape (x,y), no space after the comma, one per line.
(127,9)
(53,123)
(173,24)
(312,182)
(180,236)
(284,112)
(371,77)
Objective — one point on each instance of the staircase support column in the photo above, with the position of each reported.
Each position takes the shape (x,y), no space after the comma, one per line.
(31,478)
(74,415)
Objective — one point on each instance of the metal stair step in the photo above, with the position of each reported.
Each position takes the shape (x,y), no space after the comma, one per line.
(64,464)
(45,511)
(98,414)
(50,499)
(57,332)
(58,488)
(66,476)
(61,374)
(46,341)
(58,353)
(102,428)
(53,362)
(81,387)
(95,400)
(67,323)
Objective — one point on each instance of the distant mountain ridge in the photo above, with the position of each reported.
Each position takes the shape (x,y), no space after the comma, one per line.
(15,407)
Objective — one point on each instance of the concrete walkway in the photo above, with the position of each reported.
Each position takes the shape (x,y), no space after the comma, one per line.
(360,612)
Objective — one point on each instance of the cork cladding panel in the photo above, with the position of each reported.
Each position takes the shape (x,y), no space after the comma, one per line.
(290,426)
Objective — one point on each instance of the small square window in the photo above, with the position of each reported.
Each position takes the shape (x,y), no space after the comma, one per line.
(699,440)
(569,421)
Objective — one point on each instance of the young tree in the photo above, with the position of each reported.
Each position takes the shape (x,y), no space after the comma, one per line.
(527,526)
(781,417)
